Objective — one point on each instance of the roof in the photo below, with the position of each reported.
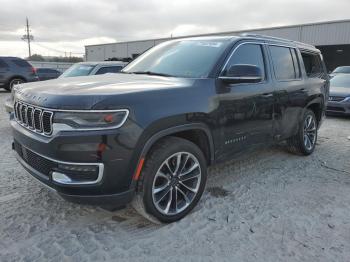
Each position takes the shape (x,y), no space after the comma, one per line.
(228,32)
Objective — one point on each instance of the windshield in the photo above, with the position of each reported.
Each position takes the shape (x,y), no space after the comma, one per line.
(342,69)
(78,70)
(180,58)
(340,81)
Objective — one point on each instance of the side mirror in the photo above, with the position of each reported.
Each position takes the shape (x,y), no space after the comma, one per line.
(242,74)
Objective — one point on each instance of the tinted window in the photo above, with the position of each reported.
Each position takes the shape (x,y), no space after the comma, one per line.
(247,54)
(3,64)
(41,70)
(109,69)
(312,63)
(78,70)
(21,63)
(51,71)
(282,62)
(182,58)
(340,81)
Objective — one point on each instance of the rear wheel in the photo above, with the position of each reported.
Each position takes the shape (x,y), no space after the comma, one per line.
(13,82)
(304,141)
(172,181)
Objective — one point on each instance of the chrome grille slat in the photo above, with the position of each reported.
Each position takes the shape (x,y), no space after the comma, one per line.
(34,118)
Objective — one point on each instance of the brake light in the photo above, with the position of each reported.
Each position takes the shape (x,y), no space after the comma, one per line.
(33,70)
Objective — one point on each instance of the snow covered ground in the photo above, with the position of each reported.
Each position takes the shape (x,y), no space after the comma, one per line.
(266,206)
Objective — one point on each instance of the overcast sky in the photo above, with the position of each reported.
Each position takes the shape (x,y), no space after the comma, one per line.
(62,26)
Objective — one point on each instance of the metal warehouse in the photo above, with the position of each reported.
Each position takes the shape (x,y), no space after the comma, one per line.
(332,38)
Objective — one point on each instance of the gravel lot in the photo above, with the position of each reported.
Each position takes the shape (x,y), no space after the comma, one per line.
(266,206)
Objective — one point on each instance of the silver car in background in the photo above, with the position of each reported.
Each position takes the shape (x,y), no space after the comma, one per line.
(81,69)
(93,68)
(339,95)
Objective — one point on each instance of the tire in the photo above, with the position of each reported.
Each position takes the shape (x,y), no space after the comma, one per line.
(168,191)
(304,142)
(13,82)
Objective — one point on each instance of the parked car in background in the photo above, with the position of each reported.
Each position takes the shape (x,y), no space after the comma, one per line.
(93,68)
(47,73)
(340,70)
(78,69)
(14,70)
(339,95)
(149,133)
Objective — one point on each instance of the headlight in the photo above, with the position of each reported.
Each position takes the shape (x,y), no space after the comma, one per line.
(92,119)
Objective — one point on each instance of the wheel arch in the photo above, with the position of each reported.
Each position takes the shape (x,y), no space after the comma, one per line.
(14,77)
(317,106)
(182,131)
(185,131)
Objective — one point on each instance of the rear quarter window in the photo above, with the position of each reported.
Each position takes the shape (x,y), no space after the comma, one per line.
(313,64)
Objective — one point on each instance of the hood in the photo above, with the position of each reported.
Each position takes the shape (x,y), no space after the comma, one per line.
(339,91)
(85,92)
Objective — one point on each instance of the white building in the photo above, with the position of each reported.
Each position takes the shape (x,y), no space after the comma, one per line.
(332,38)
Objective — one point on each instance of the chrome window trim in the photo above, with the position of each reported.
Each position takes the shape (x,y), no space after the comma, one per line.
(235,49)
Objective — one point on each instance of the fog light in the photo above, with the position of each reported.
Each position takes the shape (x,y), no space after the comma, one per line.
(77,174)
(78,168)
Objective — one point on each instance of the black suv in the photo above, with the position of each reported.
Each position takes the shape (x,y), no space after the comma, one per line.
(149,133)
(14,70)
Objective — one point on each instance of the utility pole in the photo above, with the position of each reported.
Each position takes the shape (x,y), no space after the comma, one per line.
(28,37)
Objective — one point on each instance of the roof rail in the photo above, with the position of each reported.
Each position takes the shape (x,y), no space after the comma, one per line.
(276,38)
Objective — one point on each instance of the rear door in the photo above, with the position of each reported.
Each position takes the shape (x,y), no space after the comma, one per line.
(289,89)
(246,109)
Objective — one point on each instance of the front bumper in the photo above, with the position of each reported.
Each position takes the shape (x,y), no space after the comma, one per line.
(342,107)
(110,200)
(43,156)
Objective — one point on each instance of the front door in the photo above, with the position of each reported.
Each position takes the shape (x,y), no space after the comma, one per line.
(245,109)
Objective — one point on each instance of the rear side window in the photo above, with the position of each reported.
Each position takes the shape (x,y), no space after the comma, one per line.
(283,63)
(108,69)
(20,62)
(3,64)
(247,54)
(313,65)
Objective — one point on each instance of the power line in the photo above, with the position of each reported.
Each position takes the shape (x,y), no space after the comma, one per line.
(56,50)
(28,37)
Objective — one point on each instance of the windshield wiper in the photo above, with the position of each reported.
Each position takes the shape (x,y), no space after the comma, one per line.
(150,73)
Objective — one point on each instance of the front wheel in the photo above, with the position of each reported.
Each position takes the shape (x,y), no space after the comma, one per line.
(304,141)
(172,181)
(13,82)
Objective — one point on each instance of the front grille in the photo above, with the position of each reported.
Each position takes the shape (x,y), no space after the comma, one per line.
(336,98)
(34,118)
(39,163)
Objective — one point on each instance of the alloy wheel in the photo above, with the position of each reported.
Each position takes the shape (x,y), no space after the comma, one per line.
(15,82)
(176,183)
(310,132)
